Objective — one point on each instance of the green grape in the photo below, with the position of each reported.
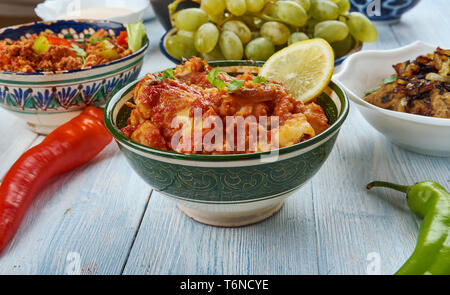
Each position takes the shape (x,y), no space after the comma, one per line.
(206,38)
(190,19)
(255,5)
(343,47)
(186,34)
(239,28)
(271,9)
(291,13)
(344,5)
(306,4)
(276,32)
(256,34)
(213,7)
(361,28)
(296,37)
(324,10)
(217,19)
(331,31)
(231,46)
(236,7)
(249,21)
(310,25)
(215,54)
(180,45)
(259,49)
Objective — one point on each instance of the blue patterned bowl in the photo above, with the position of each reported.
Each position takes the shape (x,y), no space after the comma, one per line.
(229,190)
(386,10)
(47,100)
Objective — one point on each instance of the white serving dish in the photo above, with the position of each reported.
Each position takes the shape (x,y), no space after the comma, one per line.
(54,9)
(364,70)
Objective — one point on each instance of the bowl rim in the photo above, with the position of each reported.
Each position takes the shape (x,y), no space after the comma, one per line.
(113,102)
(65,72)
(42,5)
(358,47)
(348,66)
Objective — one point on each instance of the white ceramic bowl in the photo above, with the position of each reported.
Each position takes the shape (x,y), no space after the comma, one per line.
(365,70)
(54,9)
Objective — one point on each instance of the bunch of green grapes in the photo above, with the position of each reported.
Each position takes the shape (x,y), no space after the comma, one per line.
(255,29)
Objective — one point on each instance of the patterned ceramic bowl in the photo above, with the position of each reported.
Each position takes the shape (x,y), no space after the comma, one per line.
(47,100)
(162,46)
(383,10)
(229,190)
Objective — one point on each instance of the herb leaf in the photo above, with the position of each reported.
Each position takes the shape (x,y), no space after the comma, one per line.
(92,41)
(167,74)
(259,79)
(370,91)
(78,51)
(216,82)
(390,80)
(234,85)
(136,35)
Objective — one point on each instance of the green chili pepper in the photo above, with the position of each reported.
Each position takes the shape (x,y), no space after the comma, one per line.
(431,202)
(108,50)
(41,45)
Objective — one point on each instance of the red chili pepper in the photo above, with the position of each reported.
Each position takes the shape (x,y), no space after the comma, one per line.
(58,41)
(69,146)
(122,38)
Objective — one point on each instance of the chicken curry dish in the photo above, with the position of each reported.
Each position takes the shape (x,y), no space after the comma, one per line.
(197,109)
(419,87)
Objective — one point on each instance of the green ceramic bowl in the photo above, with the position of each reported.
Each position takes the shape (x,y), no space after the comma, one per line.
(229,190)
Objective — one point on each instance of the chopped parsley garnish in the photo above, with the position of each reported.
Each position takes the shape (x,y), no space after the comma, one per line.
(234,85)
(221,84)
(216,82)
(259,79)
(167,74)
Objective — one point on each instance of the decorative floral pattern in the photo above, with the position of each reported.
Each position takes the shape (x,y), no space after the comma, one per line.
(43,98)
(66,95)
(230,184)
(19,96)
(73,96)
(89,91)
(3,94)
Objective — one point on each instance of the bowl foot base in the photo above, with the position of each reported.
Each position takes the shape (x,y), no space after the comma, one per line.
(426,152)
(231,219)
(41,129)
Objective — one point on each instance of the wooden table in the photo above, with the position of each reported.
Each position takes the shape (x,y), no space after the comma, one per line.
(103,219)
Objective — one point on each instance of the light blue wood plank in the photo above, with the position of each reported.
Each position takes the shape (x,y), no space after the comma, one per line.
(330,226)
(169,242)
(94,210)
(15,138)
(155,60)
(429,21)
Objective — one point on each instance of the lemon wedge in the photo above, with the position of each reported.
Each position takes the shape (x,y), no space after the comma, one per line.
(304,68)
